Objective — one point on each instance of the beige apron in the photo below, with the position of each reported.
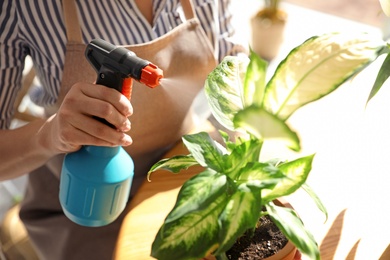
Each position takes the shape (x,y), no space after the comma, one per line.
(161,116)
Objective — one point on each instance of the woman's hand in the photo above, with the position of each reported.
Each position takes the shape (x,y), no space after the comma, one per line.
(74,124)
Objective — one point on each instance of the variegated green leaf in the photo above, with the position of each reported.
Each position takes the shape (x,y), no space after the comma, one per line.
(292,227)
(205,150)
(254,84)
(207,186)
(174,164)
(316,199)
(241,213)
(192,236)
(383,75)
(225,137)
(296,173)
(316,68)
(242,153)
(385,4)
(264,125)
(224,89)
(264,173)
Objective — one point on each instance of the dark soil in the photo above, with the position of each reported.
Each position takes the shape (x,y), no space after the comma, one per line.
(266,241)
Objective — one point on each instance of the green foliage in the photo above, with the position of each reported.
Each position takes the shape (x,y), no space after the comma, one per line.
(383,75)
(218,205)
(385,5)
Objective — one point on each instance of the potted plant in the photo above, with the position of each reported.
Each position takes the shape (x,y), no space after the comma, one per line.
(268,26)
(237,187)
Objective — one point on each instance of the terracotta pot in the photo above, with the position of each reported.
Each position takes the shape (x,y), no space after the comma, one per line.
(268,32)
(287,253)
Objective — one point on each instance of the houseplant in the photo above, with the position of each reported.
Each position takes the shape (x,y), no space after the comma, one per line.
(215,207)
(268,26)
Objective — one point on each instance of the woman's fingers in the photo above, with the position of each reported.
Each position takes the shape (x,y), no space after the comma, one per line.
(77,119)
(104,102)
(112,96)
(92,132)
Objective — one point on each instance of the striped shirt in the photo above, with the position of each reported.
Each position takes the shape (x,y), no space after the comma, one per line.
(36,28)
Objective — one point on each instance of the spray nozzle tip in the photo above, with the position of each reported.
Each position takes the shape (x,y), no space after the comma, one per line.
(151,75)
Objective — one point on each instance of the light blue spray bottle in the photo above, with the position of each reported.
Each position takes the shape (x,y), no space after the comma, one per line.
(95,181)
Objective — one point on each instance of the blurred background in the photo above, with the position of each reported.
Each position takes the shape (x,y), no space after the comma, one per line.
(364,11)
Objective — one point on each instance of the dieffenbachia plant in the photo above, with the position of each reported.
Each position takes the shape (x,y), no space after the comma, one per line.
(385,5)
(218,205)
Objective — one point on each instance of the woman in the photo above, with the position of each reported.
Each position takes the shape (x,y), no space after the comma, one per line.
(55,35)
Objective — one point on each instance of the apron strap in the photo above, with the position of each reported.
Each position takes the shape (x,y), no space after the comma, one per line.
(72,25)
(188,9)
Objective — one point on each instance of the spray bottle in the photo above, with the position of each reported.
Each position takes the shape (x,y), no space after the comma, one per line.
(95,181)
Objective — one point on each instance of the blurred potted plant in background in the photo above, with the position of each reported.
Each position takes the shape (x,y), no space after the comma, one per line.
(267,28)
(217,206)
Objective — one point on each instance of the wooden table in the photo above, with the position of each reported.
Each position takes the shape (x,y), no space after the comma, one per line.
(350,174)
(148,210)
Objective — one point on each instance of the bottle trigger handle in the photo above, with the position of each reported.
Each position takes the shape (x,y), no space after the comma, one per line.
(127,87)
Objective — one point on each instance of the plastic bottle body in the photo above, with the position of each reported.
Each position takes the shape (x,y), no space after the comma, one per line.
(95,184)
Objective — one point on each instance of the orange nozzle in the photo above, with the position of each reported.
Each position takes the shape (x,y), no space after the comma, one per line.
(151,75)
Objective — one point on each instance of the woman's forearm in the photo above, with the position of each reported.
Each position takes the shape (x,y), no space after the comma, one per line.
(22,150)
(30,146)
